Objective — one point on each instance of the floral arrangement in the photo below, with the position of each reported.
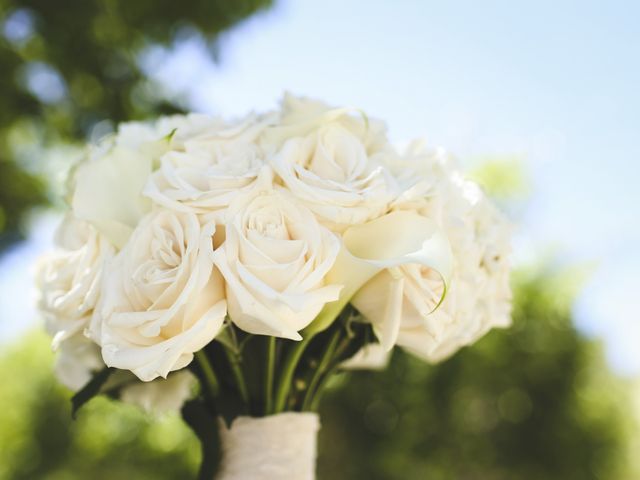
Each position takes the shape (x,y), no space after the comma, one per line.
(237,266)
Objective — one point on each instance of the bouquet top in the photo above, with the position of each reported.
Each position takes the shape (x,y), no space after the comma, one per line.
(277,224)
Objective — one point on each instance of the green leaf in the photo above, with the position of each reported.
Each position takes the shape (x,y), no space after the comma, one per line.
(90,390)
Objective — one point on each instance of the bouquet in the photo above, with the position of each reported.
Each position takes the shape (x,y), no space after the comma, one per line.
(231,268)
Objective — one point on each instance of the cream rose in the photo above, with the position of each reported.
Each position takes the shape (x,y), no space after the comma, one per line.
(480,294)
(274,260)
(162,299)
(370,357)
(172,131)
(330,162)
(69,279)
(161,395)
(209,169)
(77,361)
(401,297)
(106,188)
(478,297)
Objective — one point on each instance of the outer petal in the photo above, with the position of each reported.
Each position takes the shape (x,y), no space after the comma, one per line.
(370,357)
(154,361)
(78,359)
(380,302)
(161,395)
(108,192)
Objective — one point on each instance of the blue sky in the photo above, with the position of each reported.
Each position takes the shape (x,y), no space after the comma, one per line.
(556,83)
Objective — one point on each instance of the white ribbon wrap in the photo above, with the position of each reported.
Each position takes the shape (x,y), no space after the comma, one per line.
(281,447)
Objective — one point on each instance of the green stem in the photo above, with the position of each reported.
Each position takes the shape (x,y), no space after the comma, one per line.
(288,370)
(237,374)
(209,374)
(271,366)
(315,402)
(317,375)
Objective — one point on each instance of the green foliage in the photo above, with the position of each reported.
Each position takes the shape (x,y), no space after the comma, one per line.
(532,402)
(39,440)
(19,192)
(69,65)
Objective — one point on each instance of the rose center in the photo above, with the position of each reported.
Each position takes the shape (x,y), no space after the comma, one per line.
(267,219)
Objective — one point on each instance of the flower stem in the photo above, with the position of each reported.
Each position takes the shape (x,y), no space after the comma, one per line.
(237,374)
(315,401)
(322,367)
(289,368)
(271,364)
(209,374)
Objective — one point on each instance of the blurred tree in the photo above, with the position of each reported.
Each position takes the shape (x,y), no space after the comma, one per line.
(530,403)
(534,402)
(69,65)
(39,440)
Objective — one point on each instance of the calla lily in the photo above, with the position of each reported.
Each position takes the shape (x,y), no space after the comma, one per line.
(398,238)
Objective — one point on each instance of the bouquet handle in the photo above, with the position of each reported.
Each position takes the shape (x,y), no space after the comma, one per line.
(281,446)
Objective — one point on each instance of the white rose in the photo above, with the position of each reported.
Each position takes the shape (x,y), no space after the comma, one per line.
(400,297)
(162,298)
(274,260)
(300,116)
(423,181)
(161,395)
(372,356)
(478,297)
(176,129)
(209,169)
(77,361)
(106,188)
(329,160)
(69,278)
